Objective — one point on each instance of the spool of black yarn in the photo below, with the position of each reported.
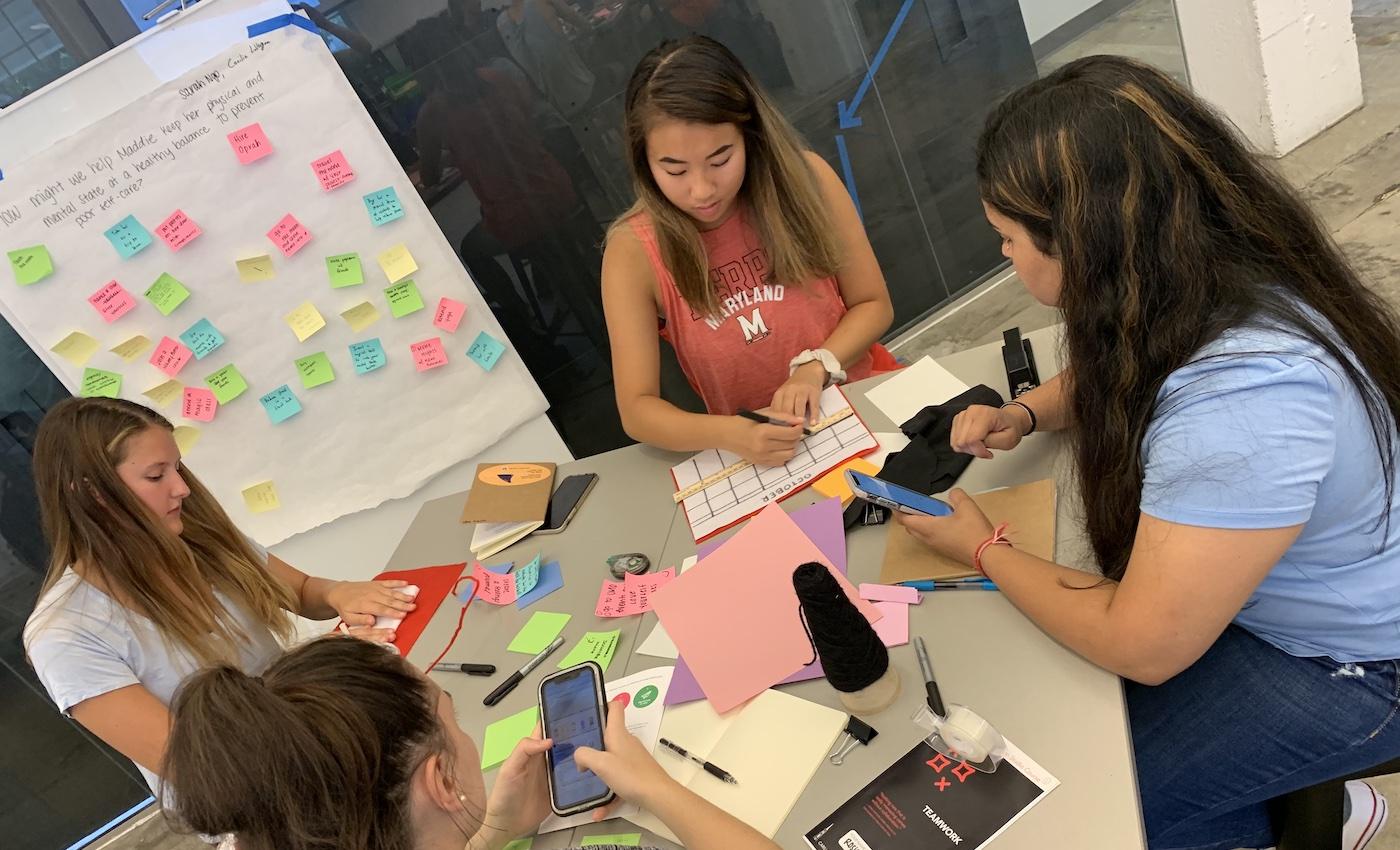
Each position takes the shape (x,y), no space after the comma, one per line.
(850,651)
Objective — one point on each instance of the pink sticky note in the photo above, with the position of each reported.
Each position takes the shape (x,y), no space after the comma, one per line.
(747,585)
(200,404)
(288,235)
(171,356)
(632,595)
(250,144)
(178,230)
(333,171)
(890,593)
(449,314)
(428,354)
(112,301)
(893,627)
(495,588)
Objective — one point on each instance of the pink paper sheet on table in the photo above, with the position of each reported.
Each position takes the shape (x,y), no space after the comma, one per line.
(760,624)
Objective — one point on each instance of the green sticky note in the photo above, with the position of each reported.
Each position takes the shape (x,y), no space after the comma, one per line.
(315,370)
(345,270)
(99,383)
(227,384)
(542,628)
(404,298)
(594,646)
(521,844)
(167,293)
(31,264)
(502,736)
(625,839)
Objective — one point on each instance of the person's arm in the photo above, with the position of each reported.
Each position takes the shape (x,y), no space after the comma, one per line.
(629,302)
(979,429)
(867,298)
(355,602)
(131,721)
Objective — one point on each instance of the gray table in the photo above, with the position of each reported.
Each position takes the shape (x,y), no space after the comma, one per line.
(1065,713)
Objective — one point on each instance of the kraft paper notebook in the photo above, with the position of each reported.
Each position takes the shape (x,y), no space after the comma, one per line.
(510,492)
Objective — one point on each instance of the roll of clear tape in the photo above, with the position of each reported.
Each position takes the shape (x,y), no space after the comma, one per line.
(968,733)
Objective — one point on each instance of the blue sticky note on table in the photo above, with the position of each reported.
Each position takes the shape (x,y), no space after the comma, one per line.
(128,236)
(551,579)
(367,355)
(383,206)
(281,404)
(486,350)
(202,338)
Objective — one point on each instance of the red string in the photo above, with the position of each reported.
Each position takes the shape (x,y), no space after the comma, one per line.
(460,618)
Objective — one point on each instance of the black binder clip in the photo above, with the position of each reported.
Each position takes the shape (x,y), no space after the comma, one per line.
(857,732)
(1016,355)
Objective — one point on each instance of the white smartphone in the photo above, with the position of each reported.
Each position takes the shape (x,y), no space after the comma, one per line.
(573,712)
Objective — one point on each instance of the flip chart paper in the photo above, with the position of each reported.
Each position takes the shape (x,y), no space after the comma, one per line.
(538,632)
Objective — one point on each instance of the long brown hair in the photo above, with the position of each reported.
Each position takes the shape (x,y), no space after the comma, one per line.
(699,80)
(1169,231)
(92,518)
(316,754)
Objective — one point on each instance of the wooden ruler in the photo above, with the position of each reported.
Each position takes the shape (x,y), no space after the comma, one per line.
(822,425)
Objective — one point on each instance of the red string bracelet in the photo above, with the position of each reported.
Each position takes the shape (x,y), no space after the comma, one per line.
(998,538)
(460,617)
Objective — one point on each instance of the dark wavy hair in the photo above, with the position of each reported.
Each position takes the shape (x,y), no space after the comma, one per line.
(1169,232)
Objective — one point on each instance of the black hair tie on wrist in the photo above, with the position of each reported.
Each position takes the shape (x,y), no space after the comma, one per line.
(1029,412)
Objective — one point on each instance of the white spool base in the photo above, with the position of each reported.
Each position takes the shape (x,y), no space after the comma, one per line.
(875,698)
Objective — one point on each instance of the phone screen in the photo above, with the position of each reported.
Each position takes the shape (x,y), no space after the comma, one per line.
(568,493)
(572,718)
(883,492)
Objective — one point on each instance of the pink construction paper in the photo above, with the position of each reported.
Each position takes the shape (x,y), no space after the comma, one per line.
(823,524)
(449,314)
(893,627)
(735,615)
(890,593)
(112,301)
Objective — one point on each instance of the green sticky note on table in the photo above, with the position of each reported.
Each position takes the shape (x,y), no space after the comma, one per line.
(542,628)
(166,294)
(625,839)
(404,298)
(345,270)
(97,383)
(502,736)
(31,264)
(594,646)
(315,370)
(520,844)
(227,384)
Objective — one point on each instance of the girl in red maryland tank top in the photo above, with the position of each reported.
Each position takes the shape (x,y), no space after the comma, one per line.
(748,253)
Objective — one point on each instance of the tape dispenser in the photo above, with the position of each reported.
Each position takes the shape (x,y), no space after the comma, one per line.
(963,735)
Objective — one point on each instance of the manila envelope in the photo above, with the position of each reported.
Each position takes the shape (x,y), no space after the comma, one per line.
(1028,508)
(510,492)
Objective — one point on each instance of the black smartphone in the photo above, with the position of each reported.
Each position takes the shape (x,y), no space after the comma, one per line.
(565,501)
(573,713)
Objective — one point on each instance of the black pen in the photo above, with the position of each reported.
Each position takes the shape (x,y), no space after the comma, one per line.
(711,769)
(514,678)
(469,669)
(768,420)
(935,699)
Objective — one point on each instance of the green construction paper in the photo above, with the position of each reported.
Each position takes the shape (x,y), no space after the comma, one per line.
(345,270)
(97,383)
(502,736)
(626,839)
(227,384)
(593,646)
(31,264)
(542,628)
(315,370)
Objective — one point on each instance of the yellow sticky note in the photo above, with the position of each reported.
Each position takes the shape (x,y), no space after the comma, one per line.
(254,269)
(261,498)
(185,437)
(833,484)
(304,321)
(132,348)
(163,393)
(77,348)
(361,316)
(397,263)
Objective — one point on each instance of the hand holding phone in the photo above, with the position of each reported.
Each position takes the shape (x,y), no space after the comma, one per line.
(894,497)
(625,765)
(572,712)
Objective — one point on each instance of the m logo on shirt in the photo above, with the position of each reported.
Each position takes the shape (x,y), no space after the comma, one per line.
(754,328)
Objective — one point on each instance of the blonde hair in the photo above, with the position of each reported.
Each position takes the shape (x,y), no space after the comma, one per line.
(699,80)
(91,517)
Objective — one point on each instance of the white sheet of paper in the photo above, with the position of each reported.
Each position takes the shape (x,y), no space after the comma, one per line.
(914,388)
(890,442)
(658,643)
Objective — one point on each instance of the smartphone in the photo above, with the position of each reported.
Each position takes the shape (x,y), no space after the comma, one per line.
(565,502)
(573,713)
(895,497)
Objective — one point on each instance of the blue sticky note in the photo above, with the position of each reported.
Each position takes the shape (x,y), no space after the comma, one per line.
(367,356)
(281,404)
(486,350)
(128,236)
(202,338)
(383,206)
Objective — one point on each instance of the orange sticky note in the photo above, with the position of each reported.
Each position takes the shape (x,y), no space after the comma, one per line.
(833,484)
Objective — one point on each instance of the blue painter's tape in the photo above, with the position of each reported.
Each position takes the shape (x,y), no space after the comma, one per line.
(278,22)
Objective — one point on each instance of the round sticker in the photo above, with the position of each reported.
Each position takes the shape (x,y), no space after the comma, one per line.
(624,698)
(513,474)
(646,696)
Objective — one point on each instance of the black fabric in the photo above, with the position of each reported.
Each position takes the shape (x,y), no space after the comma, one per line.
(928,464)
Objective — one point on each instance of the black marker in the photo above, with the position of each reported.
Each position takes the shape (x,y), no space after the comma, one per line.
(469,669)
(935,700)
(514,678)
(768,420)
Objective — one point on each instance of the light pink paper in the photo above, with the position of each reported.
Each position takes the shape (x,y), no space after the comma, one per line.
(449,314)
(170,356)
(893,627)
(890,593)
(199,404)
(112,301)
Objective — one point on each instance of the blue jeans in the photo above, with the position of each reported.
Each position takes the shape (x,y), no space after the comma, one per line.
(1247,723)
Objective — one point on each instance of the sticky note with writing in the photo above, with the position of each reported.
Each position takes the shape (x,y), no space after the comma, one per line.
(199,404)
(315,370)
(404,298)
(289,235)
(128,236)
(227,383)
(367,356)
(202,338)
(281,404)
(112,301)
(397,263)
(344,270)
(31,264)
(164,392)
(97,383)
(361,316)
(254,269)
(593,646)
(428,354)
(167,293)
(304,321)
(185,437)
(132,348)
(383,206)
(632,595)
(77,348)
(486,350)
(170,356)
(449,314)
(261,498)
(332,170)
(178,230)
(250,144)
(494,588)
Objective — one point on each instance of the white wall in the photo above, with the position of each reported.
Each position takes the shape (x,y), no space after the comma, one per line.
(1043,16)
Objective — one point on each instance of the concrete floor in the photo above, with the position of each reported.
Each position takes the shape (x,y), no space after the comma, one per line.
(1350,173)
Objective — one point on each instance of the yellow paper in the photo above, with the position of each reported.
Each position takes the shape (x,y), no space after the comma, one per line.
(261,498)
(833,484)
(254,269)
(162,394)
(361,316)
(132,348)
(304,321)
(185,437)
(77,348)
(397,263)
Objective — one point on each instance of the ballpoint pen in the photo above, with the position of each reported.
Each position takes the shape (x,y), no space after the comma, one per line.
(711,769)
(469,669)
(514,678)
(980,584)
(935,699)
